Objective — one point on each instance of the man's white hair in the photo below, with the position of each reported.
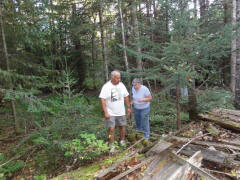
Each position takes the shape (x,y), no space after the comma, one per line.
(113,73)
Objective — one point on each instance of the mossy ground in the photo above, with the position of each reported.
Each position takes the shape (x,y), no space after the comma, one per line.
(91,170)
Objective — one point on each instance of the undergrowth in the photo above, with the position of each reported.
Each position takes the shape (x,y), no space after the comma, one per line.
(66,132)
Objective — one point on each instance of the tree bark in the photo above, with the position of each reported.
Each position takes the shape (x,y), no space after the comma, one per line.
(192,98)
(237,77)
(178,107)
(123,36)
(16,121)
(195,8)
(137,35)
(225,59)
(202,8)
(233,55)
(93,50)
(192,104)
(103,41)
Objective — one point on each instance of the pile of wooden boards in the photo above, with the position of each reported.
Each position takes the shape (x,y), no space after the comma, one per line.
(209,149)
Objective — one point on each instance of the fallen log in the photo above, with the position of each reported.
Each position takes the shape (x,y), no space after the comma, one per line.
(222,122)
(226,116)
(221,111)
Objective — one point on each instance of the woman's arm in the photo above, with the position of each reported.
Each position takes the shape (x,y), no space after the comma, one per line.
(146,99)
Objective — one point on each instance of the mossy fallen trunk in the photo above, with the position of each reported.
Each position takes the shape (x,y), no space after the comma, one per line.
(224,122)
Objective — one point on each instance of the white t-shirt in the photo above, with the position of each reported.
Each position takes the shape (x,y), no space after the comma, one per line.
(114,97)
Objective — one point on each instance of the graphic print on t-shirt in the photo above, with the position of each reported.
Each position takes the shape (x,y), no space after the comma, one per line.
(115,94)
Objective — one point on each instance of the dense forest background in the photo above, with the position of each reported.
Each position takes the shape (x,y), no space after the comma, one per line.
(56,55)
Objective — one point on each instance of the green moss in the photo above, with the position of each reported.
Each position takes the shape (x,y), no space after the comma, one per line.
(89,171)
(131,137)
(146,143)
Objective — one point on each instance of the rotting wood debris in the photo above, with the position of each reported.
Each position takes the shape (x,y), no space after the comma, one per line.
(207,149)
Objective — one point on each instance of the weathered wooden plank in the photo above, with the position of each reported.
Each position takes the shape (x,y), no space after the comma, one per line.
(206,143)
(198,170)
(156,165)
(208,155)
(234,142)
(167,168)
(196,160)
(185,171)
(134,168)
(112,167)
(160,147)
(163,171)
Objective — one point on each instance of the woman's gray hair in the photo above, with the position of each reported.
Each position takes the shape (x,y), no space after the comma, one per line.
(136,80)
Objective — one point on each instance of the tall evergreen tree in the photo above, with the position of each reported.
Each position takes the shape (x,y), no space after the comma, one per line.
(237,77)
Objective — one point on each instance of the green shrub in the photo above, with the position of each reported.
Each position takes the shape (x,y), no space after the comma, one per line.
(164,115)
(214,98)
(40,177)
(10,167)
(87,147)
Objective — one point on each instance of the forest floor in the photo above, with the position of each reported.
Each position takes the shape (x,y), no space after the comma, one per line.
(219,148)
(42,162)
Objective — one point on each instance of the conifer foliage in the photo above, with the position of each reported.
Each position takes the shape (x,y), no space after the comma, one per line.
(56,54)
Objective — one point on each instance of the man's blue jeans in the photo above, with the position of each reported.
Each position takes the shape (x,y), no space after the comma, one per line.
(142,120)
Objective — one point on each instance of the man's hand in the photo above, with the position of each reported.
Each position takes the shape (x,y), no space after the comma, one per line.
(107,116)
(129,111)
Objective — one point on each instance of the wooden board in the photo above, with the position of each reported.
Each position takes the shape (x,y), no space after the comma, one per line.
(160,147)
(208,155)
(165,167)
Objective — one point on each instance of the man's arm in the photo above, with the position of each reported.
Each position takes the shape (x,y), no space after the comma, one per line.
(104,108)
(127,102)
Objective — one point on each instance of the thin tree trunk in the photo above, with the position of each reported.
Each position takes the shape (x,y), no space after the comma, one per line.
(178,107)
(233,55)
(93,50)
(166,39)
(103,41)
(195,8)
(154,9)
(192,103)
(225,60)
(192,99)
(202,8)
(237,77)
(148,5)
(123,36)
(17,124)
(137,35)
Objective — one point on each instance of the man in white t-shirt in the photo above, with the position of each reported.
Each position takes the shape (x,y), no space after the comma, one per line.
(113,95)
